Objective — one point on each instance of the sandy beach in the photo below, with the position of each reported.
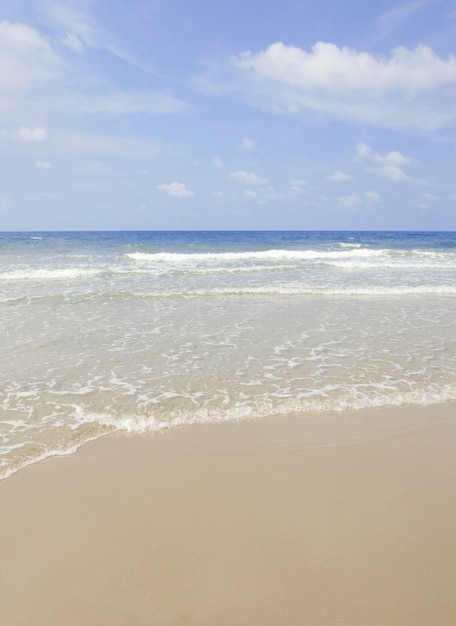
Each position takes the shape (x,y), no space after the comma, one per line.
(238,524)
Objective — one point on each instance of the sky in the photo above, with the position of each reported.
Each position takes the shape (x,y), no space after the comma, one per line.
(197,115)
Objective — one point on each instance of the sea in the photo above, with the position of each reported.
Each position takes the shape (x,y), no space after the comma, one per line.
(137,332)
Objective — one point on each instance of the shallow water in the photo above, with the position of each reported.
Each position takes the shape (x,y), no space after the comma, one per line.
(146,331)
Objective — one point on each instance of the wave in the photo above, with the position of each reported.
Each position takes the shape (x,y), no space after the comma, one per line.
(276,289)
(270,255)
(161,263)
(300,290)
(394,264)
(246,291)
(352,257)
(46,274)
(215,269)
(351,400)
(296,290)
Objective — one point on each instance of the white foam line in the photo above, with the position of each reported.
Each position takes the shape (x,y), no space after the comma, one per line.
(350,253)
(299,290)
(57,274)
(251,256)
(46,455)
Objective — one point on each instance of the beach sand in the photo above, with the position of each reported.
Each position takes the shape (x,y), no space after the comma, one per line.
(238,524)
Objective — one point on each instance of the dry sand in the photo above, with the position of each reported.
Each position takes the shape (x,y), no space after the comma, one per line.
(241,524)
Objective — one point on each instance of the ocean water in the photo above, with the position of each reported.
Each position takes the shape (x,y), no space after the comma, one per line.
(145,331)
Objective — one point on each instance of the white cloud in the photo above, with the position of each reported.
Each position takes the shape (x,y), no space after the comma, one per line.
(354,201)
(217,162)
(296,186)
(247,143)
(339,177)
(372,196)
(393,158)
(402,90)
(28,67)
(247,178)
(350,201)
(97,144)
(392,172)
(32,134)
(177,190)
(43,165)
(344,70)
(250,194)
(24,134)
(363,151)
(388,165)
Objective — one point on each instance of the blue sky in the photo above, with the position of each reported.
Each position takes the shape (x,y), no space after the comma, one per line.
(169,114)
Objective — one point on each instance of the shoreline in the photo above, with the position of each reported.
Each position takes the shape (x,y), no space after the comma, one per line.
(307,430)
(263,522)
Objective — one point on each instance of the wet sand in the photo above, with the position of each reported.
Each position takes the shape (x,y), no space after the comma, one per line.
(238,524)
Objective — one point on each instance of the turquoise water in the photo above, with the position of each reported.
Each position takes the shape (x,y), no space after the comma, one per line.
(139,331)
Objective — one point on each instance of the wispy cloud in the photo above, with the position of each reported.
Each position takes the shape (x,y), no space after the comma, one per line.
(395,17)
(43,165)
(79,30)
(372,197)
(38,81)
(5,203)
(217,162)
(350,201)
(61,142)
(73,20)
(118,103)
(247,143)
(72,42)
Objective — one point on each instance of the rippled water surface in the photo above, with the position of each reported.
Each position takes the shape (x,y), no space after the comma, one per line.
(145,331)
